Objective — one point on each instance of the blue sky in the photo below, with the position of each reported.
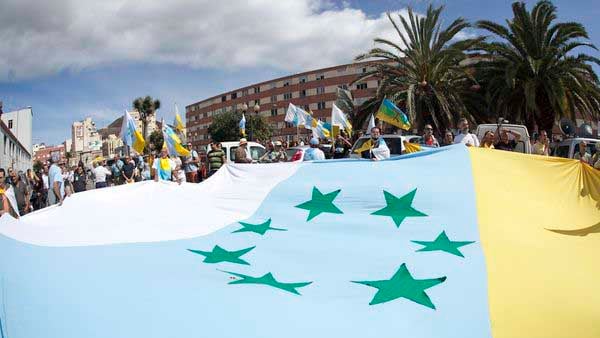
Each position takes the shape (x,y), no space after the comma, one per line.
(64,66)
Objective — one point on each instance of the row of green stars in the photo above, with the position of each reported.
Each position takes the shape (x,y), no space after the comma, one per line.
(401,285)
(398,208)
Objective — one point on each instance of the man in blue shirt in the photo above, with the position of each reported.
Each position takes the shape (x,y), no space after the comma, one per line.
(117,170)
(314,153)
(56,189)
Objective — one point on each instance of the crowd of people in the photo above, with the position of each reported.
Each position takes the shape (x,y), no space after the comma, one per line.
(55,181)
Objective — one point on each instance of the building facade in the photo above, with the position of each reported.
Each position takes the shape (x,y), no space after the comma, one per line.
(85,137)
(13,154)
(45,154)
(20,123)
(315,90)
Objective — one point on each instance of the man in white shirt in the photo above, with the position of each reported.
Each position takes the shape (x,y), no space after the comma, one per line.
(314,153)
(466,138)
(100,173)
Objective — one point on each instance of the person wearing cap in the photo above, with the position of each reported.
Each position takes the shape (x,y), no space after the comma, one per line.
(314,153)
(276,154)
(190,165)
(242,155)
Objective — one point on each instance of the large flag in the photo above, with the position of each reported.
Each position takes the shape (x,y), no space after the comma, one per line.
(178,123)
(243,125)
(298,116)
(318,129)
(130,135)
(173,142)
(353,249)
(390,113)
(338,118)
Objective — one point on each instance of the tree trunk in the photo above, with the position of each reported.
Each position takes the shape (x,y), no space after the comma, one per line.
(546,117)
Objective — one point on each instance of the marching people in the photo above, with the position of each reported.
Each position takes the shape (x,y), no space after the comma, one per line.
(216,158)
(448,138)
(379,149)
(5,206)
(505,143)
(128,170)
(582,155)
(56,188)
(465,137)
(117,169)
(163,166)
(428,138)
(79,179)
(242,155)
(341,147)
(542,144)
(275,154)
(488,140)
(100,173)
(314,153)
(191,166)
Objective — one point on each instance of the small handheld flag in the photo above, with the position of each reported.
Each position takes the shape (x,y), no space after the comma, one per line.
(178,123)
(173,142)
(390,113)
(243,125)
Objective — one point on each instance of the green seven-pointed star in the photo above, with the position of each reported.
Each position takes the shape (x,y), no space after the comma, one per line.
(399,208)
(320,203)
(443,243)
(269,280)
(260,228)
(218,255)
(403,285)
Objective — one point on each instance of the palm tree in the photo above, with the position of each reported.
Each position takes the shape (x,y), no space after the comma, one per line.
(427,72)
(147,107)
(531,73)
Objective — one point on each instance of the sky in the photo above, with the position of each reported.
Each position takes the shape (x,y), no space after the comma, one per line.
(72,59)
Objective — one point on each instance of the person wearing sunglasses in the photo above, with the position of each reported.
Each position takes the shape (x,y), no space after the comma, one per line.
(428,138)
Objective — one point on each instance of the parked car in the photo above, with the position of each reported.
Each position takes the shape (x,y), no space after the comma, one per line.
(393,141)
(296,154)
(256,150)
(570,146)
(523,146)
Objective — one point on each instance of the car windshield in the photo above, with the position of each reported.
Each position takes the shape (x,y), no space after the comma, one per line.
(290,152)
(394,143)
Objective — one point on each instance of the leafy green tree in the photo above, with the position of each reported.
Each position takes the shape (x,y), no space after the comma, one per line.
(425,70)
(37,166)
(146,106)
(225,127)
(531,70)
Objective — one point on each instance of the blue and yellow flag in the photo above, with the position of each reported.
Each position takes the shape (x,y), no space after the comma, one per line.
(173,142)
(243,125)
(443,243)
(178,123)
(130,135)
(390,113)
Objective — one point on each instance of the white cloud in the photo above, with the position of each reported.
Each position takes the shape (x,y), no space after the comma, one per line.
(45,37)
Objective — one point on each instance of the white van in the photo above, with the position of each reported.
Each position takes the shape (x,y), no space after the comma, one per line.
(570,146)
(523,146)
(256,150)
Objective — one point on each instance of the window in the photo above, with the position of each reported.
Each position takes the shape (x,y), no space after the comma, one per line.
(257,101)
(345,87)
(286,83)
(274,112)
(245,92)
(303,93)
(223,98)
(364,70)
(320,90)
(256,90)
(361,86)
(287,96)
(321,77)
(321,105)
(273,85)
(274,98)
(233,96)
(303,79)
(9,124)
(306,107)
(289,125)
(255,152)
